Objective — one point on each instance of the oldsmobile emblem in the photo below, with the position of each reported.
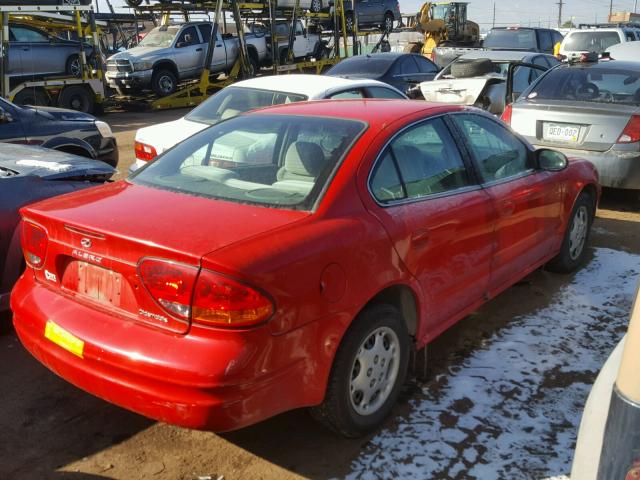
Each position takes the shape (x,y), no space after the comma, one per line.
(85,242)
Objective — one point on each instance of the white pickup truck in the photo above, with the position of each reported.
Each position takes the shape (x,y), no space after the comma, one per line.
(171,53)
(306,41)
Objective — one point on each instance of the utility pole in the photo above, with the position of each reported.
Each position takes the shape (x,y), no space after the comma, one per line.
(560,14)
(494,15)
(610,8)
(635,6)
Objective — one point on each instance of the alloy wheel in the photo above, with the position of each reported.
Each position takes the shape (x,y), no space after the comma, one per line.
(578,232)
(166,84)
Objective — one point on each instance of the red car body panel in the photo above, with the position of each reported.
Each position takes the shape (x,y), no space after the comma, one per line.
(447,255)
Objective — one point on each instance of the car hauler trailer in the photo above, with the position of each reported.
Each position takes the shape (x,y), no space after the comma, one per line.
(84,91)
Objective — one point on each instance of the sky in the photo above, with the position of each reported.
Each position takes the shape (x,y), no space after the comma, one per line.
(531,13)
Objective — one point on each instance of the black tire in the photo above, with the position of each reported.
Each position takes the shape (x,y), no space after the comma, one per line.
(471,68)
(76,97)
(284,56)
(73,67)
(348,20)
(164,82)
(322,53)
(255,67)
(387,26)
(31,96)
(338,410)
(134,3)
(316,6)
(574,246)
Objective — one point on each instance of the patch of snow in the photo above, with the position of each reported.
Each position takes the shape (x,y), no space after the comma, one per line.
(518,399)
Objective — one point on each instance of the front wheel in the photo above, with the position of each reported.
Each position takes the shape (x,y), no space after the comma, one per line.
(367,374)
(164,82)
(388,22)
(573,250)
(316,6)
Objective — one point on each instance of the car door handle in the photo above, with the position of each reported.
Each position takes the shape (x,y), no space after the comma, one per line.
(218,45)
(198,49)
(506,208)
(25,49)
(420,237)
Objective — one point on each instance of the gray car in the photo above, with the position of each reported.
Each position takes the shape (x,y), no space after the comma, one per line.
(33,52)
(589,110)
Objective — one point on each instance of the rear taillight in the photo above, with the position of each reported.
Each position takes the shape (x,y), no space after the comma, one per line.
(507,114)
(34,244)
(170,284)
(631,132)
(145,152)
(207,298)
(433,55)
(222,301)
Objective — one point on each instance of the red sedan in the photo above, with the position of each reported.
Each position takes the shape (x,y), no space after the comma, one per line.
(292,257)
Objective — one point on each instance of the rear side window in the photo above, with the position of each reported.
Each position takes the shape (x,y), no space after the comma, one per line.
(498,153)
(590,41)
(355,93)
(426,66)
(406,66)
(421,161)
(546,42)
(205,31)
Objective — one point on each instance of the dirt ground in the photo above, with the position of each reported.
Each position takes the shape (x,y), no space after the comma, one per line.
(50,429)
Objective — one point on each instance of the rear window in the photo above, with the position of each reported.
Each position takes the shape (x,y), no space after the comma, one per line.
(280,161)
(232,101)
(590,41)
(599,85)
(512,39)
(361,65)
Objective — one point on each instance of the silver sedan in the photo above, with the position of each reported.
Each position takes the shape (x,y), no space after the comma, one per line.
(589,110)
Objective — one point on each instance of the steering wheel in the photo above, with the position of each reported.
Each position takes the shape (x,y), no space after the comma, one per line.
(587,91)
(607,96)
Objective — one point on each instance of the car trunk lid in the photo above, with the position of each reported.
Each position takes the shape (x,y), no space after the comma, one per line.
(461,91)
(581,126)
(97,238)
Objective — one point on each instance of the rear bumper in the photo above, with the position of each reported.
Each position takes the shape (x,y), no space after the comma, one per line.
(617,169)
(214,380)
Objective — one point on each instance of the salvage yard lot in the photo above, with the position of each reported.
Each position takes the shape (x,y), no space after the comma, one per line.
(502,398)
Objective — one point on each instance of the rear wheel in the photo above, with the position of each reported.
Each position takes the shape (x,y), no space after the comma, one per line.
(573,250)
(76,97)
(164,82)
(316,6)
(367,374)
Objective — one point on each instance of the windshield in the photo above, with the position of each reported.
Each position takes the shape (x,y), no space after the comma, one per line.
(598,85)
(596,42)
(276,160)
(232,101)
(441,12)
(160,37)
(515,39)
(361,65)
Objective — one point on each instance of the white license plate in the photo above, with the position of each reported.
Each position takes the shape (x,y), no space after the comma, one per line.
(565,133)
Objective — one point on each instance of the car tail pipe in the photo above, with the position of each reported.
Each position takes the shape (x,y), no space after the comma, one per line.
(620,456)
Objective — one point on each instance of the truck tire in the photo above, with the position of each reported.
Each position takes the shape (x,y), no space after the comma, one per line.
(316,6)
(76,97)
(471,68)
(31,96)
(164,82)
(134,3)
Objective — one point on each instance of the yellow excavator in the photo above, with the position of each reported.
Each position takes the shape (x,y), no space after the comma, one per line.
(444,24)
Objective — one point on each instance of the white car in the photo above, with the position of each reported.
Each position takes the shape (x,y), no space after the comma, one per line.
(598,40)
(250,95)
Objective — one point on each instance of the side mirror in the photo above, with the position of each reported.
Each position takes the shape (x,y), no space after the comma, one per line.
(5,117)
(551,160)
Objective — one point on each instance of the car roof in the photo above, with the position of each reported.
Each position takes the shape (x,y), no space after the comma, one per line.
(505,55)
(613,64)
(376,112)
(309,85)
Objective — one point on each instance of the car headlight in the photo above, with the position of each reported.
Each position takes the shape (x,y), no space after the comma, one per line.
(104,129)
(138,66)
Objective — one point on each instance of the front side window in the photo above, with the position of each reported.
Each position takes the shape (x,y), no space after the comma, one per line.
(232,101)
(423,160)
(281,161)
(188,37)
(498,153)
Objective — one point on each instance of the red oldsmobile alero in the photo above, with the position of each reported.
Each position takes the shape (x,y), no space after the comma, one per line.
(292,257)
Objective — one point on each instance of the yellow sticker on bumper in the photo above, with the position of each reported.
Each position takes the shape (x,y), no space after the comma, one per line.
(61,337)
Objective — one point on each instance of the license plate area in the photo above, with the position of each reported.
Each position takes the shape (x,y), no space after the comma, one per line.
(561,132)
(97,283)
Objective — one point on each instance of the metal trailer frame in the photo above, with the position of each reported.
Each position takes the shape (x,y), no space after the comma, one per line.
(194,93)
(54,86)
